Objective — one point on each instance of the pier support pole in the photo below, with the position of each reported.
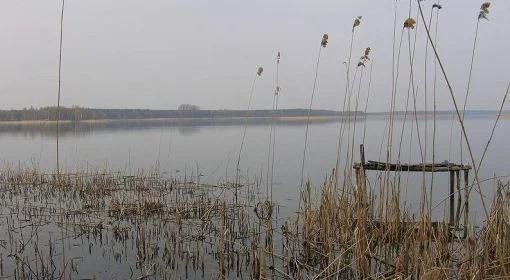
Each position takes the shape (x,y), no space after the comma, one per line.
(466,201)
(459,200)
(363,162)
(452,198)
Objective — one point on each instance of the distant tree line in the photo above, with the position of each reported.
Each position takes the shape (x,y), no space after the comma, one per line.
(188,107)
(183,111)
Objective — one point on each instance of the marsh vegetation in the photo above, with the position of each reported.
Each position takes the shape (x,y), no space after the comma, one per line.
(125,223)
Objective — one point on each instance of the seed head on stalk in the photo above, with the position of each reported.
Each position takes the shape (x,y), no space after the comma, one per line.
(277,90)
(259,71)
(365,56)
(484,11)
(409,23)
(367,51)
(357,22)
(324,41)
(437,6)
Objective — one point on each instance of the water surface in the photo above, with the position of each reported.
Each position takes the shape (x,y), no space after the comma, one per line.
(211,147)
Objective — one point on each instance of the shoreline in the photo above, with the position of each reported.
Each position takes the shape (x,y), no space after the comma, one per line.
(174,120)
(299,118)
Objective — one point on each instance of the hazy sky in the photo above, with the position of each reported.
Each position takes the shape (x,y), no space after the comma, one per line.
(161,53)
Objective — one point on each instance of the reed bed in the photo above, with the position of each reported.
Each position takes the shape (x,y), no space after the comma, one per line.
(110,225)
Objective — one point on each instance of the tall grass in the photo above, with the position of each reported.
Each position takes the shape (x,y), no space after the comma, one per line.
(59,82)
(277,94)
(163,228)
(367,100)
(324,43)
(493,130)
(482,15)
(365,58)
(438,7)
(258,73)
(384,190)
(272,135)
(408,24)
(457,111)
(355,25)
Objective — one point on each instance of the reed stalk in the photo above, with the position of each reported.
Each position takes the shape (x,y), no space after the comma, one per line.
(356,23)
(438,7)
(486,147)
(367,100)
(277,94)
(59,83)
(395,74)
(252,89)
(459,117)
(272,135)
(323,44)
(470,75)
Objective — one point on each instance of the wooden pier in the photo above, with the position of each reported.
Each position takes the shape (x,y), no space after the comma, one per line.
(452,168)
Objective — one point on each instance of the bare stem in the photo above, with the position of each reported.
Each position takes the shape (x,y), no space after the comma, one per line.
(450,89)
(308,117)
(59,82)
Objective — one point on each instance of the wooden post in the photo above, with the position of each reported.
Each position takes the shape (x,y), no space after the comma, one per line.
(362,154)
(466,201)
(459,200)
(452,198)
(358,182)
(363,178)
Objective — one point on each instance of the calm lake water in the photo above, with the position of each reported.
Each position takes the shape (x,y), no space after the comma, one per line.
(212,148)
(177,149)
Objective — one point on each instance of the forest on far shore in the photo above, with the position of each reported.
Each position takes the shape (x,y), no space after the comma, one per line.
(184,111)
(192,111)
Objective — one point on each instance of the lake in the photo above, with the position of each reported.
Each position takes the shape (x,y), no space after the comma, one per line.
(180,149)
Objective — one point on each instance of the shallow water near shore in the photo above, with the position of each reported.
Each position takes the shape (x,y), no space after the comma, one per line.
(164,221)
(179,150)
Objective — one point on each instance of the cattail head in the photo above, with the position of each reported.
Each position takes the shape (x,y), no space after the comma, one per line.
(367,51)
(324,41)
(484,11)
(278,58)
(259,71)
(277,91)
(357,22)
(409,23)
(439,7)
(365,56)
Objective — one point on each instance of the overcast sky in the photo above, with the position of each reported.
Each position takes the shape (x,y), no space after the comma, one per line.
(161,53)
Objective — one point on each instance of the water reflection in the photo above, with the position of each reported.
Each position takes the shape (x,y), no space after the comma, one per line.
(186,126)
(191,125)
(212,145)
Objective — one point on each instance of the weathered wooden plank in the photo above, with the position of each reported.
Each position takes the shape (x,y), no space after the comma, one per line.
(428,167)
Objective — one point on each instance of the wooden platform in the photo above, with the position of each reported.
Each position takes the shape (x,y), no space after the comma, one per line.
(452,168)
(427,167)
